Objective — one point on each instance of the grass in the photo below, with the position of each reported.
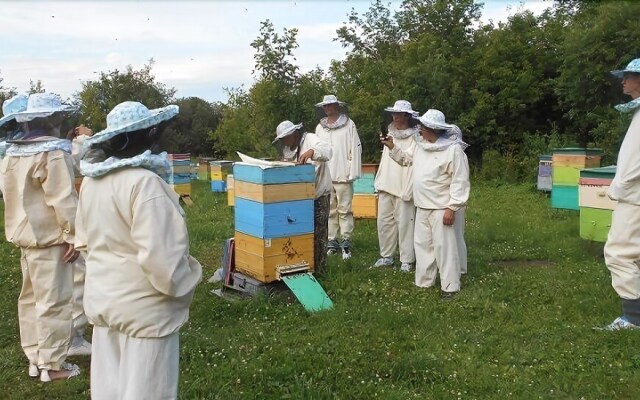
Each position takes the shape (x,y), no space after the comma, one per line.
(520,328)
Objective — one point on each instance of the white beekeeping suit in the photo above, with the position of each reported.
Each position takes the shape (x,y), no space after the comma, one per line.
(440,183)
(345,167)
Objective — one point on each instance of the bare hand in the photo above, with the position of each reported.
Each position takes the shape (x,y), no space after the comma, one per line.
(387,141)
(449,217)
(70,254)
(305,156)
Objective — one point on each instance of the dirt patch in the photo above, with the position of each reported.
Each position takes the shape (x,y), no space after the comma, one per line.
(524,263)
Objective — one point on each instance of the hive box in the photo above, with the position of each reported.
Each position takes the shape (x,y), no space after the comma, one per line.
(258,258)
(566,166)
(230,190)
(596,208)
(218,186)
(545,180)
(365,206)
(273,220)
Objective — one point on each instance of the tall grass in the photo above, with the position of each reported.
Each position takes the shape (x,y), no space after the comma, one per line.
(520,328)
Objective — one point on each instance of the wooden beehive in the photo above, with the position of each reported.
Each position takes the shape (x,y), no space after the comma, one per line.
(566,166)
(596,208)
(545,182)
(230,190)
(274,222)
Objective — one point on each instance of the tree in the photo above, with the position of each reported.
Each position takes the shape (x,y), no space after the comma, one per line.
(191,130)
(6,92)
(100,96)
(36,87)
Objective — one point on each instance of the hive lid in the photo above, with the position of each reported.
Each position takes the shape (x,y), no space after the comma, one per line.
(603,172)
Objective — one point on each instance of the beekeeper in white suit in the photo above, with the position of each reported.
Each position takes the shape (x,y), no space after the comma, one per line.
(302,148)
(394,184)
(40,207)
(345,167)
(140,277)
(440,189)
(622,250)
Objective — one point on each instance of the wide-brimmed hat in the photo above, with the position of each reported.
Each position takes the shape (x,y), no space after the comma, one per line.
(42,105)
(633,66)
(286,128)
(12,106)
(434,119)
(330,99)
(131,116)
(402,106)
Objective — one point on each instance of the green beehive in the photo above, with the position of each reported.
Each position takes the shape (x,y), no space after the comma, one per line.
(566,166)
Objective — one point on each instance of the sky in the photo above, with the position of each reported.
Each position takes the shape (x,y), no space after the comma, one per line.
(200,47)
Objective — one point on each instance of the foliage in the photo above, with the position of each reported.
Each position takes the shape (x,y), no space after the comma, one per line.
(100,96)
(191,129)
(6,92)
(520,328)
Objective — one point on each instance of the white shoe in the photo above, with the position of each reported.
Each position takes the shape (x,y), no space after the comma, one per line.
(383,262)
(79,347)
(72,368)
(33,371)
(406,267)
(618,324)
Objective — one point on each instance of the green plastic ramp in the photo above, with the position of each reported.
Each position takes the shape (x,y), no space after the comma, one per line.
(308,291)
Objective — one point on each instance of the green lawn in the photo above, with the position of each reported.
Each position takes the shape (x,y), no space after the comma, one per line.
(520,328)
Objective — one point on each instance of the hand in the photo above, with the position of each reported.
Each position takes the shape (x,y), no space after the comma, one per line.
(449,217)
(72,134)
(70,254)
(305,156)
(387,141)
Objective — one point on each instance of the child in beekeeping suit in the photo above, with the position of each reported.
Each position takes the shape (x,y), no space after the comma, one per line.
(440,190)
(345,167)
(302,148)
(40,207)
(394,184)
(140,277)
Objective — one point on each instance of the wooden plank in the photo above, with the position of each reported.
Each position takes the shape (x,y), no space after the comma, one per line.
(595,196)
(369,169)
(595,181)
(231,197)
(230,182)
(580,161)
(259,258)
(273,220)
(274,193)
(276,175)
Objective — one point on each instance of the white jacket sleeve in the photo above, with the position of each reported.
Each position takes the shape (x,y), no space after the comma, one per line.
(355,153)
(460,186)
(77,152)
(321,149)
(159,231)
(401,157)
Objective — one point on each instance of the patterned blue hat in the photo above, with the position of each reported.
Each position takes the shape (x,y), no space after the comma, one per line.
(131,116)
(12,106)
(42,105)
(633,66)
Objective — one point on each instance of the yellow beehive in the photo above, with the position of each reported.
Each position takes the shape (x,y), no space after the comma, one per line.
(258,258)
(365,205)
(230,190)
(274,193)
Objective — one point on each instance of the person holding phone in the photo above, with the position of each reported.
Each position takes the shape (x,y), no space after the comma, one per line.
(440,190)
(394,185)
(306,148)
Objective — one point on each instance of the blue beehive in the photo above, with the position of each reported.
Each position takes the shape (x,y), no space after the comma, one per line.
(218,186)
